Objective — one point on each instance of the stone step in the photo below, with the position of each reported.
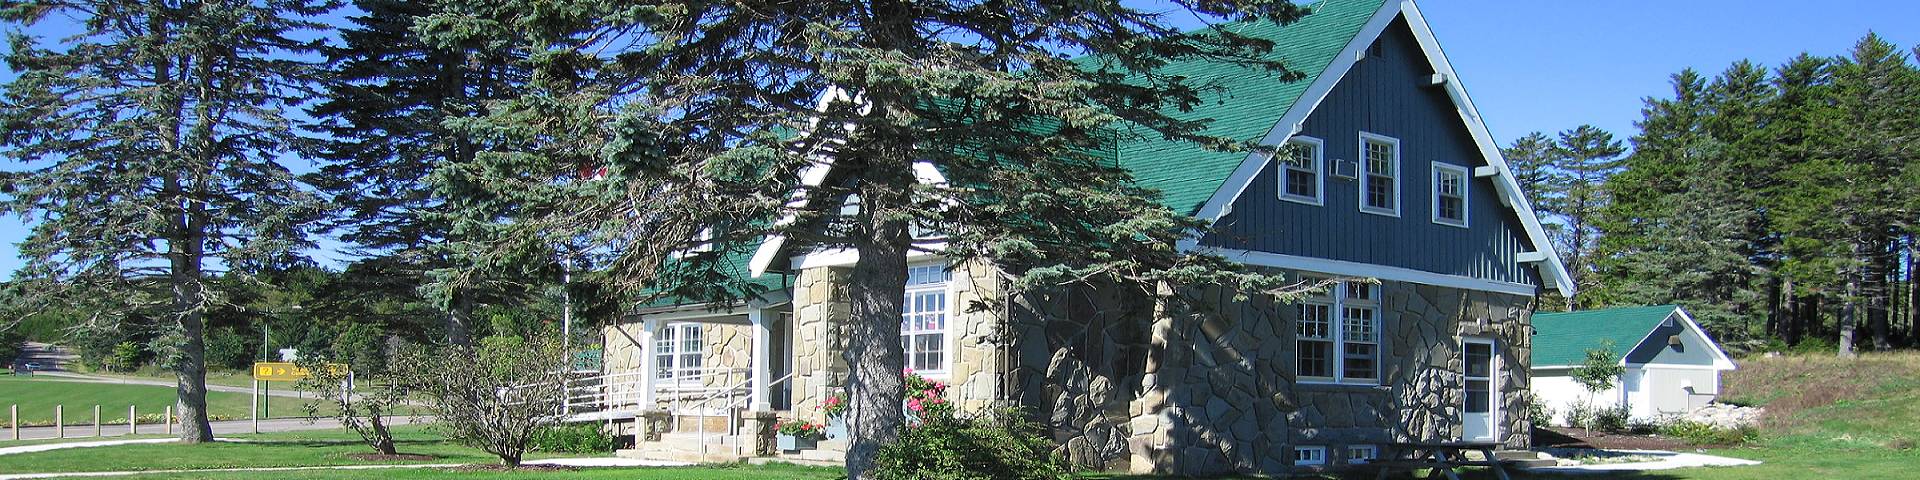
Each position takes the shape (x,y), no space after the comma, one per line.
(799,460)
(715,453)
(1534,463)
(1520,455)
(690,438)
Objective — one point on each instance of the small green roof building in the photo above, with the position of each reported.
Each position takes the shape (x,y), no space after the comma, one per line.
(1672,366)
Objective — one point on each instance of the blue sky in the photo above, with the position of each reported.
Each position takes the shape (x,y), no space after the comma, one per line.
(1547,66)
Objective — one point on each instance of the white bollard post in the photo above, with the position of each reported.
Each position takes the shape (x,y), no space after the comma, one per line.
(59,421)
(96,420)
(166,417)
(254,411)
(133,420)
(13,418)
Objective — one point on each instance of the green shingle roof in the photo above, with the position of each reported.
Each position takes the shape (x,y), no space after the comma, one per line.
(1563,338)
(1249,104)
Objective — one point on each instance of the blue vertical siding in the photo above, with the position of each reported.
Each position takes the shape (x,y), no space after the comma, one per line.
(1388,95)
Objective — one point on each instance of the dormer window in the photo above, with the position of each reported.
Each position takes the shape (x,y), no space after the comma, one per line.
(1300,174)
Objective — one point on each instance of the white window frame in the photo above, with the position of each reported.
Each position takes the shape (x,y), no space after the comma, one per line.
(1338,301)
(1319,170)
(1362,454)
(678,375)
(946,331)
(1466,179)
(1366,173)
(1318,454)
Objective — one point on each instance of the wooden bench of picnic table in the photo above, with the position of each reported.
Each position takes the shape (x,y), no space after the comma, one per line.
(1442,456)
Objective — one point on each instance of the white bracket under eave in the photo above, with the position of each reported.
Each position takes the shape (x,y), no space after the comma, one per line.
(1437,79)
(1530,257)
(1484,171)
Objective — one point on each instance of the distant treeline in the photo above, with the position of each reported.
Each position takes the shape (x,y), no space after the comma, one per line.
(1776,203)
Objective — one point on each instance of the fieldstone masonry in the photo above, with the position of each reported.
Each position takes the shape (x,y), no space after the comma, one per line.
(1126,384)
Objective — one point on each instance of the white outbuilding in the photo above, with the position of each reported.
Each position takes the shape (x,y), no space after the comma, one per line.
(1672,366)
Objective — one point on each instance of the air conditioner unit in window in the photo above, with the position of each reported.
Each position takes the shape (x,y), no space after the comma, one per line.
(1344,169)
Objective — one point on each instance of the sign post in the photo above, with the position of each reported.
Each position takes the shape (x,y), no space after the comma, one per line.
(265,373)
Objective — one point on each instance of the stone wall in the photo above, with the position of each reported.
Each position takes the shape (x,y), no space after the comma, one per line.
(820,310)
(1079,358)
(1219,393)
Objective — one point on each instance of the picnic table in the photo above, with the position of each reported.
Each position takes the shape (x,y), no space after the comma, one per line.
(1441,456)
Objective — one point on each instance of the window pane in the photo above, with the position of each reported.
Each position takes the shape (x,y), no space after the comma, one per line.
(1314,358)
(1477,392)
(1360,325)
(1361,362)
(1313,322)
(1300,183)
(1479,360)
(663,366)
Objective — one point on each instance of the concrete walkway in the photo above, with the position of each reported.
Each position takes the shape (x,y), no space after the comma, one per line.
(1667,461)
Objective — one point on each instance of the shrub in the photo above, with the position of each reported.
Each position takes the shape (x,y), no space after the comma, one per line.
(801,429)
(1537,412)
(991,446)
(1701,433)
(573,438)
(1595,417)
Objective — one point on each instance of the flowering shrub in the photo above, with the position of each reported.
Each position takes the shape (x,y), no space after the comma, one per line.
(834,406)
(998,446)
(800,429)
(926,398)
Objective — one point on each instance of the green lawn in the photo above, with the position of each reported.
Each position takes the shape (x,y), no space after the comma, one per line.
(1827,419)
(736,472)
(36,397)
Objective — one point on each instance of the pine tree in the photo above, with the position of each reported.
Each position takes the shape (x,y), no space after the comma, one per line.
(1588,155)
(1533,159)
(1875,91)
(151,138)
(704,114)
(386,120)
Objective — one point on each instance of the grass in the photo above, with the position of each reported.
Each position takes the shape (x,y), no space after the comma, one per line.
(222,377)
(1827,418)
(37,396)
(289,449)
(765,472)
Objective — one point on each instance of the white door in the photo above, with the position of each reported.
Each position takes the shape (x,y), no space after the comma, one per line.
(1477,415)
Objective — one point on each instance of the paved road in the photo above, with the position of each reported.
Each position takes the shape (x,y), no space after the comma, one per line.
(229,427)
(81,377)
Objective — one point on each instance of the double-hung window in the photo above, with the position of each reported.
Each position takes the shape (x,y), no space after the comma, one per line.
(1379,174)
(923,319)
(678,353)
(1449,194)
(1309,455)
(1300,174)
(1337,336)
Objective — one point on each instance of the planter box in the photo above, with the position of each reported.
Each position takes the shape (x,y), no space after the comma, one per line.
(789,443)
(836,428)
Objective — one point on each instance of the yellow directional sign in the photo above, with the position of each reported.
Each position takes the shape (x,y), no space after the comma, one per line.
(286,371)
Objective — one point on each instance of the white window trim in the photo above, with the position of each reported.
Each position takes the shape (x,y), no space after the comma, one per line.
(1321,450)
(1373,453)
(1399,167)
(946,334)
(1466,179)
(1319,172)
(679,374)
(1337,333)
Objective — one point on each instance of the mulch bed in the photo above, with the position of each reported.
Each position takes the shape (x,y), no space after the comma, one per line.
(376,457)
(1576,438)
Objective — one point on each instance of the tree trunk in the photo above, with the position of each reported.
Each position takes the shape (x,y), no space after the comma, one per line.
(1775,316)
(186,253)
(877,290)
(382,439)
(459,323)
(1879,272)
(1850,307)
(1913,299)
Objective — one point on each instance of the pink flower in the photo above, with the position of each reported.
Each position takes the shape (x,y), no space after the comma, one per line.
(914,403)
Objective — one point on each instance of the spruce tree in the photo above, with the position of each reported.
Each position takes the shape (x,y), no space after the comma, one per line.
(704,117)
(1588,155)
(386,123)
(150,139)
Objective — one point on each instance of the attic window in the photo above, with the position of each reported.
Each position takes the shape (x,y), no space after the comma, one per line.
(1300,174)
